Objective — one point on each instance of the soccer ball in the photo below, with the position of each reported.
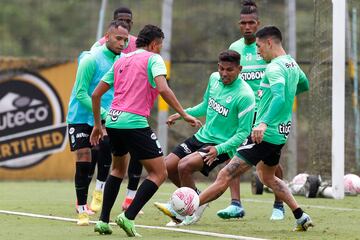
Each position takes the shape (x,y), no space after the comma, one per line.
(185,201)
(352,183)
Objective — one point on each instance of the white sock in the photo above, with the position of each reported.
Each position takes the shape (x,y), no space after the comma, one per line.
(81,208)
(99,185)
(131,193)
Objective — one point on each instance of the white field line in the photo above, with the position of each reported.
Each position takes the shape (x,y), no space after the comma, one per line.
(203,233)
(272,201)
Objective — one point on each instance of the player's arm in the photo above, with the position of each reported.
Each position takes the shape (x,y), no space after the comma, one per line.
(104,85)
(245,121)
(303,84)
(84,75)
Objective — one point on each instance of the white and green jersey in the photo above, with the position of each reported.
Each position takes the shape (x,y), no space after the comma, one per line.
(253,66)
(282,81)
(229,111)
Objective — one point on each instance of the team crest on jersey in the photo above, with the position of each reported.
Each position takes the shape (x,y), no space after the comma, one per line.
(260,93)
(284,129)
(258,57)
(228,99)
(248,57)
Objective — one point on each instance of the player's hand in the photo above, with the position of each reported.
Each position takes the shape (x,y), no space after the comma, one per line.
(210,155)
(257,133)
(96,135)
(172,119)
(194,122)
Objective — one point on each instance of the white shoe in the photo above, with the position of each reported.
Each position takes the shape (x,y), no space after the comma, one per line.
(189,220)
(172,224)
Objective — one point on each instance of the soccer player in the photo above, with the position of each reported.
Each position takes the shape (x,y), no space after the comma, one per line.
(283,80)
(228,105)
(137,78)
(252,72)
(92,67)
(135,168)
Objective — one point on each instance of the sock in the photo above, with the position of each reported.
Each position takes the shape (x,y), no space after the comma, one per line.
(111,191)
(279,205)
(99,185)
(146,190)
(81,182)
(130,193)
(134,173)
(104,159)
(93,164)
(81,208)
(236,202)
(298,213)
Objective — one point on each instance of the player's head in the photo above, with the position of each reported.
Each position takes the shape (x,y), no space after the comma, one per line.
(249,20)
(124,14)
(229,66)
(117,36)
(150,38)
(268,40)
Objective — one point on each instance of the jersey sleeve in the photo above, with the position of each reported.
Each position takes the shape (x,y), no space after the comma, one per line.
(84,75)
(303,84)
(245,120)
(200,109)
(109,77)
(156,67)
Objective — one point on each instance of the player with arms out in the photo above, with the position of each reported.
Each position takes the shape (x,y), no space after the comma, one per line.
(283,80)
(252,72)
(137,78)
(228,105)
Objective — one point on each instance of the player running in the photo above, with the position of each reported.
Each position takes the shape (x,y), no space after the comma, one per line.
(137,78)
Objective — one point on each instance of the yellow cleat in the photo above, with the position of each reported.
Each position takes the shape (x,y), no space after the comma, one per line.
(96,202)
(166,209)
(83,219)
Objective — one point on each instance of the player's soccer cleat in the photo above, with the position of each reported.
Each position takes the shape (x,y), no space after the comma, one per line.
(231,211)
(302,224)
(103,228)
(96,202)
(168,211)
(83,219)
(126,203)
(278,213)
(127,225)
(196,215)
(172,224)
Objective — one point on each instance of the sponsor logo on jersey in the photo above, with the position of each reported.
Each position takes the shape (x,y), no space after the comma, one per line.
(217,107)
(284,129)
(250,76)
(31,120)
(114,114)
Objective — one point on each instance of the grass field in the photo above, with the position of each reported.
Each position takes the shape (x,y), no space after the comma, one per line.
(334,219)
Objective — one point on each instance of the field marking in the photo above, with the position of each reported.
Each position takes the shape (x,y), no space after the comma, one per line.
(272,201)
(203,233)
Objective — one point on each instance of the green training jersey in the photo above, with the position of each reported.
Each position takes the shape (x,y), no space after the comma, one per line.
(282,81)
(155,67)
(253,66)
(229,111)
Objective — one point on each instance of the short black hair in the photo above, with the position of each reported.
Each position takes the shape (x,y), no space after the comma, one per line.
(249,7)
(122,10)
(269,31)
(148,34)
(230,56)
(117,23)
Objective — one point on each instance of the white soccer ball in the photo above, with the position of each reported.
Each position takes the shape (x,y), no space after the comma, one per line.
(352,183)
(185,201)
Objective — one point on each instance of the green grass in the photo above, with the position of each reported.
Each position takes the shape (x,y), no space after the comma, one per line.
(57,199)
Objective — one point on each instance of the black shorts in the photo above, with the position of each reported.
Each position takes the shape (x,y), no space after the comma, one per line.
(141,143)
(191,145)
(253,153)
(79,136)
